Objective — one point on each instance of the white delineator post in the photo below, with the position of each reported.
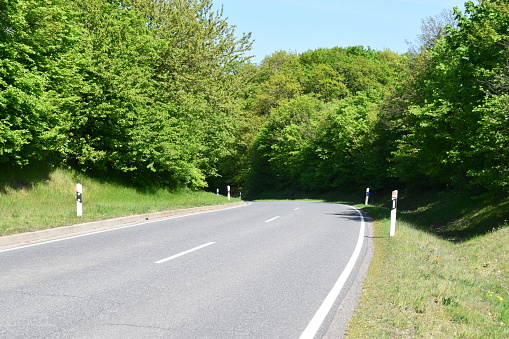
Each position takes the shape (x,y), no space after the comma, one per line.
(393,213)
(228,191)
(217,191)
(367,196)
(79,200)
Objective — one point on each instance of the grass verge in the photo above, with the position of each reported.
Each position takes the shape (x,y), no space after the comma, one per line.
(444,275)
(35,200)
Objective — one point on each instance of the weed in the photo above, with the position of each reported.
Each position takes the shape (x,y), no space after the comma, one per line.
(449,301)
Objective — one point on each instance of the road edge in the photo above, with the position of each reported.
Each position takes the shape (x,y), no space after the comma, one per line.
(20,239)
(346,309)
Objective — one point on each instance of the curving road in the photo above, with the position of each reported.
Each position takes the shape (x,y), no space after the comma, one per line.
(267,270)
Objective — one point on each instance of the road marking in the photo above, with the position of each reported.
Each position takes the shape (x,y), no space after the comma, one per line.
(135,224)
(184,253)
(296,209)
(319,317)
(272,219)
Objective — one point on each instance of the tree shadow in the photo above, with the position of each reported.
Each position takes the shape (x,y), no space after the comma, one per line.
(144,184)
(347,197)
(349,215)
(453,215)
(16,178)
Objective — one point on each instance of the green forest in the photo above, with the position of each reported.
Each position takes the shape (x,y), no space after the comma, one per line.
(163,93)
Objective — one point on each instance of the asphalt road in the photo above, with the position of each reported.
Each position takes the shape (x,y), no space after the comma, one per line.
(267,270)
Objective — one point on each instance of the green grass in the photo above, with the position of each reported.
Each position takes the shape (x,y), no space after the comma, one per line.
(444,275)
(33,199)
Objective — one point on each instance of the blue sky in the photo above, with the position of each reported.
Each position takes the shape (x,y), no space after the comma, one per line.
(301,25)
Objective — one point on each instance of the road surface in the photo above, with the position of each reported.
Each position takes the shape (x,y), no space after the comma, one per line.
(267,270)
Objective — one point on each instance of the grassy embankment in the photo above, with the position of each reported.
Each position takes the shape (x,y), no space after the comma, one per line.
(37,199)
(445,274)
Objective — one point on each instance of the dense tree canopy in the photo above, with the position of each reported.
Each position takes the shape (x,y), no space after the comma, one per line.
(321,137)
(446,122)
(34,38)
(146,89)
(161,92)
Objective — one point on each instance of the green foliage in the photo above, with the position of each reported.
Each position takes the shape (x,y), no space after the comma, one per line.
(34,36)
(148,90)
(356,68)
(108,117)
(429,145)
(319,133)
(279,78)
(492,145)
(310,145)
(326,83)
(446,123)
(284,138)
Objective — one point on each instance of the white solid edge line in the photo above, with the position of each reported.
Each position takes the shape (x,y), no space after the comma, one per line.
(272,219)
(319,317)
(115,228)
(184,253)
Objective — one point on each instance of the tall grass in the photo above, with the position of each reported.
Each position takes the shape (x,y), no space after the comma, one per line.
(33,200)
